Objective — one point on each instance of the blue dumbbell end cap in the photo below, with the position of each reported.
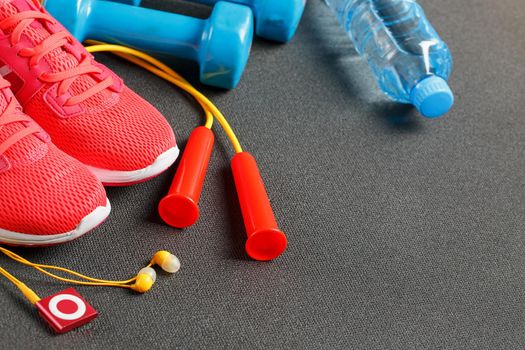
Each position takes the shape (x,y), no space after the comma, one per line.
(432,97)
(278,19)
(226,48)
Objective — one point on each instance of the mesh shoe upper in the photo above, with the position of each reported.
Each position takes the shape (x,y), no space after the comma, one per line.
(50,195)
(112,128)
(44,191)
(123,136)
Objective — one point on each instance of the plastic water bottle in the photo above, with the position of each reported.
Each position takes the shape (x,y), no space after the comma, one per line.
(410,61)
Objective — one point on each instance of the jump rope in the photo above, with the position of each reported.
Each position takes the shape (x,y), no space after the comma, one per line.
(179,208)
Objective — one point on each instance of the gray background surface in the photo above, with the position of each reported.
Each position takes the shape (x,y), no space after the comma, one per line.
(404,233)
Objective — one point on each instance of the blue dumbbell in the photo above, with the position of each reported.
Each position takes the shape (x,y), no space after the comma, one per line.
(274,19)
(220,44)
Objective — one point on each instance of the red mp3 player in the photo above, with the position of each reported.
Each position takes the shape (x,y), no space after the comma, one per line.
(66,310)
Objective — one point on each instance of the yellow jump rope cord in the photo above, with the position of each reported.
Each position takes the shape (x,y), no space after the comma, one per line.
(163,71)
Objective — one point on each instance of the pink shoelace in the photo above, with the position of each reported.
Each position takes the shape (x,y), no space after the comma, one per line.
(12,114)
(21,21)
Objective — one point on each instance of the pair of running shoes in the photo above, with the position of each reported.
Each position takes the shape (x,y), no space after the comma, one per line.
(68,126)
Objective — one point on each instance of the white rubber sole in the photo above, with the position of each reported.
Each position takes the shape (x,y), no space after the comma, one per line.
(91,221)
(115,177)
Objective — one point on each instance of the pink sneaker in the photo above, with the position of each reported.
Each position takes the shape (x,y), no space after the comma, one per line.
(88,111)
(47,196)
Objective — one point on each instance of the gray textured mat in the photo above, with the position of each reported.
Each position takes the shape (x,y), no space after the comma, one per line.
(403,233)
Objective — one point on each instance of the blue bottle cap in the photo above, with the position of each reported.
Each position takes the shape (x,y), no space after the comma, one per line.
(432,97)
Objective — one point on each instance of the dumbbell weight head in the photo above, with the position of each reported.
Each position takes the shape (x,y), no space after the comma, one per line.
(225,44)
(277,19)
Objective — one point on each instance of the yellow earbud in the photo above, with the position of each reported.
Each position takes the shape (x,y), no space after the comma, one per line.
(145,280)
(167,261)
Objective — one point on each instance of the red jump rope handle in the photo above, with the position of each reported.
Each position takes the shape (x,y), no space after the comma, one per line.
(265,240)
(180,206)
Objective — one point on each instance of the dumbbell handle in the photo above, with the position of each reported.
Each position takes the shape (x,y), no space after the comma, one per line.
(275,19)
(174,34)
(249,3)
